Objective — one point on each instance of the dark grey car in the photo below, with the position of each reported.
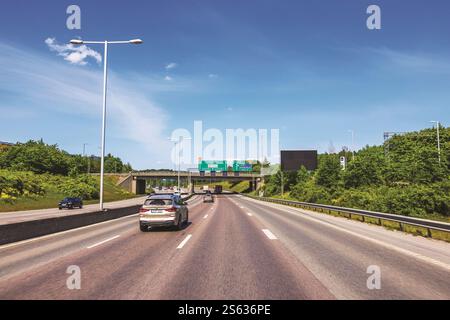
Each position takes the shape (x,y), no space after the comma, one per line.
(70,203)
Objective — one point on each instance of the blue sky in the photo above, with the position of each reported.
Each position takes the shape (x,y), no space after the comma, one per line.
(309,68)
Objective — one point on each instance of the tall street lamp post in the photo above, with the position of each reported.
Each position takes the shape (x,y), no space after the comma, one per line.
(105,79)
(176,143)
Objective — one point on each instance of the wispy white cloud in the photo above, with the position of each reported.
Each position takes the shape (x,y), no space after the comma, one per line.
(48,85)
(168,78)
(73,54)
(212,76)
(171,65)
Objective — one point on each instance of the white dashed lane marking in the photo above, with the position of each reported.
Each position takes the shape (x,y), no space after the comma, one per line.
(102,242)
(269,234)
(183,243)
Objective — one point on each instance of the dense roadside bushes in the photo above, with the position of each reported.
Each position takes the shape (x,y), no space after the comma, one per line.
(16,184)
(13,185)
(403,176)
(83,186)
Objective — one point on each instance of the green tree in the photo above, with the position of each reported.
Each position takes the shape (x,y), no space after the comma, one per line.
(38,157)
(328,172)
(35,156)
(413,157)
(366,169)
(113,164)
(273,185)
(302,175)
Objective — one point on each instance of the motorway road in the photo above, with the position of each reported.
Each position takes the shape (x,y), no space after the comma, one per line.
(27,215)
(236,248)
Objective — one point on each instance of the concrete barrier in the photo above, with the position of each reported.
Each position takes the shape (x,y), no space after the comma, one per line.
(36,228)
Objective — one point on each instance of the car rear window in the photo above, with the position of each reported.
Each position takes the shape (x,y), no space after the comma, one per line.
(158,202)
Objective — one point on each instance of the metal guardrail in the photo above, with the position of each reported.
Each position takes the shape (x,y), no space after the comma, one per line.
(402,221)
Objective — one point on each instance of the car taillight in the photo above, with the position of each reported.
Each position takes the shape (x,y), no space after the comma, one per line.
(143,210)
(173,209)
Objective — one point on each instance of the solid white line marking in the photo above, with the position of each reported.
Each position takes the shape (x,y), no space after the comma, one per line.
(184,242)
(102,242)
(206,216)
(269,234)
(249,214)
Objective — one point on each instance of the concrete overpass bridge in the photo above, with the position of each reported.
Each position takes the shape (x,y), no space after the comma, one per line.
(135,181)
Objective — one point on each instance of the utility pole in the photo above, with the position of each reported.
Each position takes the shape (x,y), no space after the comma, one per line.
(438,139)
(282,183)
(84,149)
(353,143)
(87,158)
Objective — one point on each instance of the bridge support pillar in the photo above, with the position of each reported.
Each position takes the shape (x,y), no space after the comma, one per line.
(138,186)
(253,185)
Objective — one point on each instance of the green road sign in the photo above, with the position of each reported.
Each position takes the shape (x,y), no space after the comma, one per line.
(206,165)
(242,166)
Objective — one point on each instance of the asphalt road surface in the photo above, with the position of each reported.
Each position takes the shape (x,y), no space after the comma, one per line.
(236,248)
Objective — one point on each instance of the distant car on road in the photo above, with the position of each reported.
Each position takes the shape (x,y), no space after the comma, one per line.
(208,198)
(70,203)
(163,211)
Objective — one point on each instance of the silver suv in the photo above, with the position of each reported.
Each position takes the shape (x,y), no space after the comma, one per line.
(163,211)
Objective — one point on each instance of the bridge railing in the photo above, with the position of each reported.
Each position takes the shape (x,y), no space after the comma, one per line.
(423,227)
(182,173)
(195,174)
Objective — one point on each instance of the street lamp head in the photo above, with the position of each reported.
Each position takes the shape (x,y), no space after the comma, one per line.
(76,41)
(136,41)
